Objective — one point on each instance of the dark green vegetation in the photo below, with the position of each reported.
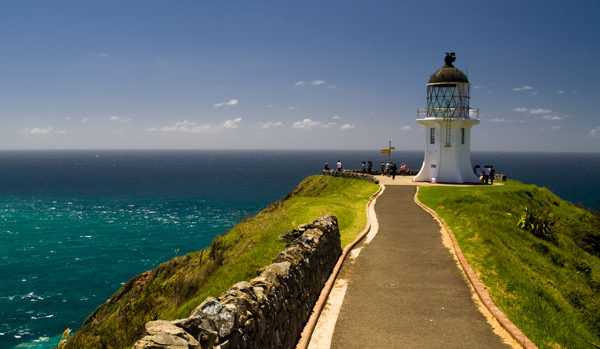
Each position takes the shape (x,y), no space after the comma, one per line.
(545,279)
(176,287)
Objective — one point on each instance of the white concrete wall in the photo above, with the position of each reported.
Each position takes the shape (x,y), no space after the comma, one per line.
(452,164)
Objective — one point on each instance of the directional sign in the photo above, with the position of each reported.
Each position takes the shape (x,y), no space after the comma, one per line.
(385,151)
(392,147)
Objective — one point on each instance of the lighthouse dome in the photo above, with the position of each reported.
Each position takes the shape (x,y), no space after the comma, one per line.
(448,73)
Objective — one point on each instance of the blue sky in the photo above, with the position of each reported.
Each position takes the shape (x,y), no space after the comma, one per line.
(292,74)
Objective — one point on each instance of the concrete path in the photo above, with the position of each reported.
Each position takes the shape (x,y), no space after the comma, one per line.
(405,290)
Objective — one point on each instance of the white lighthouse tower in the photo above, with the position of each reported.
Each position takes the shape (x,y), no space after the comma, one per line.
(448,121)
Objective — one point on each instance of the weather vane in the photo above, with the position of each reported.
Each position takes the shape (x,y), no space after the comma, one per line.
(450,58)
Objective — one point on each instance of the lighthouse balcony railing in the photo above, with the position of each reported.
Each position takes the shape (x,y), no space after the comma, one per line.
(445,113)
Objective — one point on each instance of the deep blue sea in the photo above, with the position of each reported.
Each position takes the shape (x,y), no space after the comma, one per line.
(75,225)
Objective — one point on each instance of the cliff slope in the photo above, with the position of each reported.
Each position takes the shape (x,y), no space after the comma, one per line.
(175,288)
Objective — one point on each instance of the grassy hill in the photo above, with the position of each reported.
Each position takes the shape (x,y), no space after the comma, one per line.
(548,286)
(176,287)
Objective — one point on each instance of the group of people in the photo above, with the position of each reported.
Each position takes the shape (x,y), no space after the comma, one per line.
(486,174)
(389,167)
(338,166)
(386,168)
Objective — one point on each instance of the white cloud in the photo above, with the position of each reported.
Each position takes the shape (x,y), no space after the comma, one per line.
(184,126)
(560,92)
(552,117)
(522,88)
(316,82)
(540,111)
(233,123)
(521,109)
(595,132)
(406,128)
(84,120)
(270,124)
(100,55)
(67,118)
(347,126)
(336,117)
(329,124)
(291,107)
(306,123)
(230,102)
(498,120)
(118,118)
(37,131)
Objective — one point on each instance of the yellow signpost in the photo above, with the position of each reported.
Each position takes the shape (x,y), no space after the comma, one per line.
(388,151)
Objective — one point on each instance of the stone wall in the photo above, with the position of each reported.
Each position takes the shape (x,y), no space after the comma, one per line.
(270,310)
(351,174)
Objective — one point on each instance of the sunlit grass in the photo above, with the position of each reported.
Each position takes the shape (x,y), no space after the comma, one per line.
(551,291)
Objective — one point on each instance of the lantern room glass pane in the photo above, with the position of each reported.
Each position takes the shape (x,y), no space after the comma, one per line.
(448,101)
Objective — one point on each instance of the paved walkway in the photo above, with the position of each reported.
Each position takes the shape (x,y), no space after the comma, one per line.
(405,289)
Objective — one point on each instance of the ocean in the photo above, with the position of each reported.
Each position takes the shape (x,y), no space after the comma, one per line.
(75,225)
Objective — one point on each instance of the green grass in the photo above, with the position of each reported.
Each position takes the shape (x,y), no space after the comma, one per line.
(176,287)
(550,290)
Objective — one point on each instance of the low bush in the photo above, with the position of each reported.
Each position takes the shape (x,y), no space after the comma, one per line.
(539,222)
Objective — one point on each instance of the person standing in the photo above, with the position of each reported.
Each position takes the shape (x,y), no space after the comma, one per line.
(393,170)
(382,168)
(326,166)
(339,166)
(492,174)
(364,167)
(486,174)
(477,170)
(370,167)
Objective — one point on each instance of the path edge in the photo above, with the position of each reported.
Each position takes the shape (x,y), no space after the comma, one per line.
(320,304)
(478,286)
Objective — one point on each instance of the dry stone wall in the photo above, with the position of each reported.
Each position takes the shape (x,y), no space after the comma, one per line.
(270,310)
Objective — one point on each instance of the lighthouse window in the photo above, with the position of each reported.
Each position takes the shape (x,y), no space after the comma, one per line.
(462,136)
(432,135)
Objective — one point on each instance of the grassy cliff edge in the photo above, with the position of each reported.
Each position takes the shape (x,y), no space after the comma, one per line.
(176,287)
(549,288)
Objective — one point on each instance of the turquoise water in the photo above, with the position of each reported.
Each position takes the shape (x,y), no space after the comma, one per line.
(63,257)
(74,226)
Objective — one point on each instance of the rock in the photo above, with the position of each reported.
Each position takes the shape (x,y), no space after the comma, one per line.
(210,306)
(288,236)
(166,327)
(165,341)
(204,330)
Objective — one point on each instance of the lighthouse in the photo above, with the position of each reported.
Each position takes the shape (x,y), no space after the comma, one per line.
(447,119)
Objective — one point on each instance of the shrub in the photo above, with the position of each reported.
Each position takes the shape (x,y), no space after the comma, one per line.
(539,222)
(583,268)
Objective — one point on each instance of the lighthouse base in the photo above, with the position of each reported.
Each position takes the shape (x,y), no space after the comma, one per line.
(447,157)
